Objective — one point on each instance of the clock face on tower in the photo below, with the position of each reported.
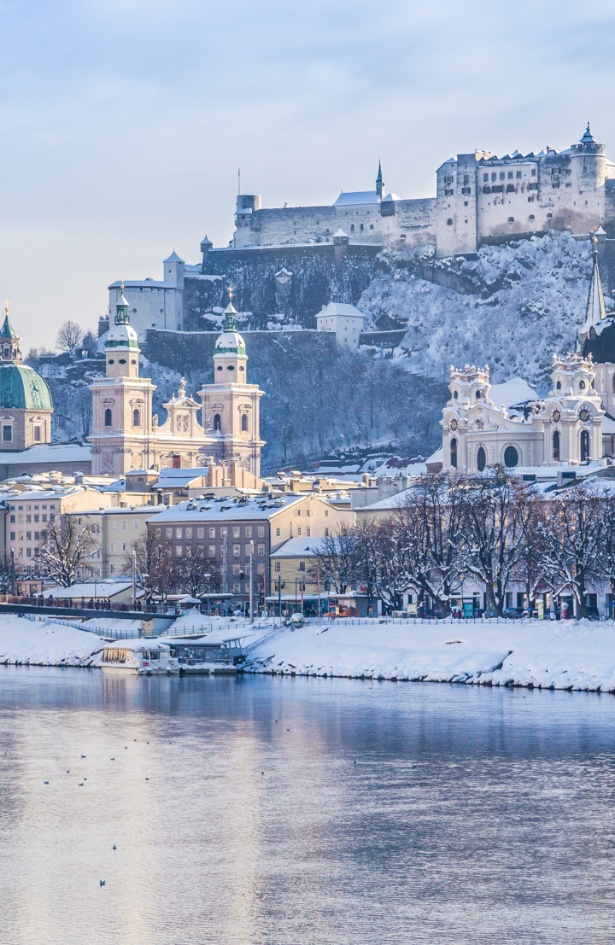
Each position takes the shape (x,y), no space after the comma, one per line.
(555,416)
(454,424)
(584,415)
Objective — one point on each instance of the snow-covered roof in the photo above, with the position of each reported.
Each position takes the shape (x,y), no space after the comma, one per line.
(299,548)
(142,284)
(341,308)
(512,392)
(100,589)
(174,474)
(354,197)
(173,258)
(229,508)
(48,453)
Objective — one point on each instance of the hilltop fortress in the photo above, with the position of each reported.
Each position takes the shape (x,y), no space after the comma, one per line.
(480,198)
(289,262)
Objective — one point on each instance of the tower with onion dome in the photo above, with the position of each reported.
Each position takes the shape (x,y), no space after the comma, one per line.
(26,406)
(230,407)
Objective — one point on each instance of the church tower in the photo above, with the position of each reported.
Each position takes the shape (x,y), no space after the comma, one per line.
(121,403)
(380,182)
(230,408)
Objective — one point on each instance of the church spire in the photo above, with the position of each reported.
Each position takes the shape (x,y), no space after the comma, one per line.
(230,313)
(121,308)
(596,309)
(380,181)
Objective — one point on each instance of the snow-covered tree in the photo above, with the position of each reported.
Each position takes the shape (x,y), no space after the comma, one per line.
(155,565)
(573,535)
(336,559)
(67,547)
(197,574)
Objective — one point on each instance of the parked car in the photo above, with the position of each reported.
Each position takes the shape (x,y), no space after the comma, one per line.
(513,613)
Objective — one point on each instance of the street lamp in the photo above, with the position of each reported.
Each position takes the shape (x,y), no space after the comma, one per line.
(13,571)
(251,556)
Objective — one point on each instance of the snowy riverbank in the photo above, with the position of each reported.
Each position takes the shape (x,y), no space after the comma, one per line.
(562,655)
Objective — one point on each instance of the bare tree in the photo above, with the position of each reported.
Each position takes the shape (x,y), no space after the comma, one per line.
(573,535)
(196,573)
(530,569)
(155,565)
(492,531)
(66,548)
(431,521)
(69,337)
(336,558)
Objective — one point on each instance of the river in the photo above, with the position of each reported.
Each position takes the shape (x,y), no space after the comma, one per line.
(293,811)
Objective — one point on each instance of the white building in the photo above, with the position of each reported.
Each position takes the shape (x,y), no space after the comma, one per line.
(344,320)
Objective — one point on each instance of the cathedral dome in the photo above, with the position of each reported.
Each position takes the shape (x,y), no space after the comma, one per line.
(21,388)
(600,342)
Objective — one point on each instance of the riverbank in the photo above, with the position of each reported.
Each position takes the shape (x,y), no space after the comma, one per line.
(539,654)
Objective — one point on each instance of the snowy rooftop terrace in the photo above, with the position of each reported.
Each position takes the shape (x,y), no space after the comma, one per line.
(229,508)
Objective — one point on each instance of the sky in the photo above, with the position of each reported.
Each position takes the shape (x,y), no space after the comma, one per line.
(123,122)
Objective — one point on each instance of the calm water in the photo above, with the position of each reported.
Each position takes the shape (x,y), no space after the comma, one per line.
(260,811)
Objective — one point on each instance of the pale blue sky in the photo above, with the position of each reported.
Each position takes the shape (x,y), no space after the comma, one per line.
(123,122)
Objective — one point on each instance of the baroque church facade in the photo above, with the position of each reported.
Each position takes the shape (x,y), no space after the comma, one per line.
(126,434)
(574,424)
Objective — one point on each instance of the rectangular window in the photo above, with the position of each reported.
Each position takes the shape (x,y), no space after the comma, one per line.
(248,531)
(178,551)
(494,177)
(12,519)
(28,552)
(276,567)
(299,530)
(277,531)
(519,175)
(260,551)
(37,518)
(28,518)
(28,536)
(112,546)
(112,525)
(308,532)
(44,516)
(188,533)
(124,524)
(12,536)
(236,568)
(260,569)
(302,565)
(485,177)
(200,533)
(212,551)
(52,517)
(37,536)
(178,533)
(7,433)
(212,532)
(236,588)
(124,546)
(261,531)
(510,175)
(236,532)
(169,532)
(236,551)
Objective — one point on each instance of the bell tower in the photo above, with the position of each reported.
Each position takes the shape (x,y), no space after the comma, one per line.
(230,406)
(121,403)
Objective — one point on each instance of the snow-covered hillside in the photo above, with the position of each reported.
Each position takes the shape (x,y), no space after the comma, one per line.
(517,304)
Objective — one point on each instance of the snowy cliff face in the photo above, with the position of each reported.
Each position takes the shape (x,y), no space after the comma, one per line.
(511,308)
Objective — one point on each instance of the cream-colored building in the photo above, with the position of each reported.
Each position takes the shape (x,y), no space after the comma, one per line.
(126,434)
(114,533)
(30,513)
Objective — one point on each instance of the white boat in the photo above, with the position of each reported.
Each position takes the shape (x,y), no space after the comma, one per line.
(143,657)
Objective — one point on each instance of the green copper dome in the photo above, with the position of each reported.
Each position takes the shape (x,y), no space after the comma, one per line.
(21,388)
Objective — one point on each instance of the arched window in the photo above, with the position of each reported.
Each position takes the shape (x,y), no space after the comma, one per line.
(481,459)
(581,385)
(108,417)
(455,394)
(217,423)
(556,451)
(361,228)
(244,423)
(558,386)
(511,457)
(454,453)
(136,417)
(585,443)
(478,394)
(352,227)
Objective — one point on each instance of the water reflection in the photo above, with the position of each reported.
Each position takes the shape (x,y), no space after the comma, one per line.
(301,811)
